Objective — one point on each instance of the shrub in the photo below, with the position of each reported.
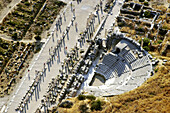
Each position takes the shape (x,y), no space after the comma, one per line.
(140,29)
(10,29)
(162,31)
(1,41)
(15,13)
(146,41)
(141,0)
(91,97)
(27,3)
(146,48)
(147,14)
(159,41)
(81,97)
(12,23)
(37,31)
(96,105)
(165,27)
(22,44)
(156,70)
(1,58)
(4,45)
(17,43)
(146,3)
(125,5)
(15,36)
(37,50)
(9,53)
(2,28)
(83,108)
(60,3)
(2,51)
(120,24)
(37,38)
(66,104)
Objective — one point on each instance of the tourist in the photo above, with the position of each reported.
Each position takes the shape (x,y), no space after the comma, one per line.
(71,5)
(60,20)
(63,36)
(28,74)
(76,27)
(36,72)
(44,65)
(64,16)
(101,7)
(49,50)
(74,12)
(56,25)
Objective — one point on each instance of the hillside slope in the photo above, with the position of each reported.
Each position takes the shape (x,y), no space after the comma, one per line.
(152,96)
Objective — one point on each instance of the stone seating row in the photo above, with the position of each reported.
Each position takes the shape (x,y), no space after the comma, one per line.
(108,74)
(124,51)
(120,68)
(102,68)
(129,57)
(109,60)
(140,71)
(140,63)
(113,71)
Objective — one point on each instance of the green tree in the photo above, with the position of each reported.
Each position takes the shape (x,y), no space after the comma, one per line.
(96,105)
(141,0)
(83,108)
(146,3)
(146,41)
(91,97)
(38,38)
(81,97)
(147,14)
(146,48)
(159,41)
(15,36)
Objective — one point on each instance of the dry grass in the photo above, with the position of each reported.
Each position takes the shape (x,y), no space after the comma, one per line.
(152,96)
(125,29)
(75,108)
(166,39)
(161,7)
(166,25)
(128,30)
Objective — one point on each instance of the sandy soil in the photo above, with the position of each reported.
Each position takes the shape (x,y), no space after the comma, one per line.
(98,81)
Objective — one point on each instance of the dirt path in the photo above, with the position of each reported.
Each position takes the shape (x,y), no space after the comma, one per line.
(8,9)
(5,37)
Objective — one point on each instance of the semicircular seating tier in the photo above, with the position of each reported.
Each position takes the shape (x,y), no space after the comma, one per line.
(124,68)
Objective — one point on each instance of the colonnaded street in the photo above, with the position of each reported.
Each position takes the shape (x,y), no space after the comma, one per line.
(74,15)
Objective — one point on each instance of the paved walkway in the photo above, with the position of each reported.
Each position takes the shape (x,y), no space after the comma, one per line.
(111,18)
(82,11)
